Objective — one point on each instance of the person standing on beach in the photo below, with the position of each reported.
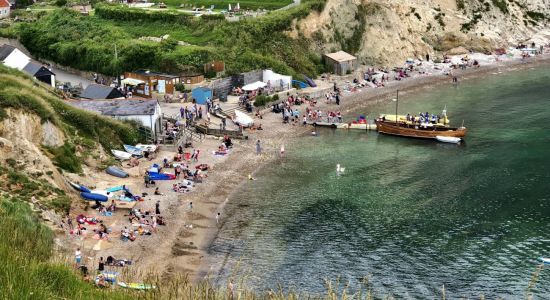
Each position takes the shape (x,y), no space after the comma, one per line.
(337,98)
(218,218)
(78,257)
(157,207)
(282,150)
(101,265)
(258,147)
(190,205)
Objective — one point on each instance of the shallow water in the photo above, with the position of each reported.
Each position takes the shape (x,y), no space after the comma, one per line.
(409,215)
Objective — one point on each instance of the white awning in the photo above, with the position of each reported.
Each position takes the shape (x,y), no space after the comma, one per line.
(254,86)
(131,81)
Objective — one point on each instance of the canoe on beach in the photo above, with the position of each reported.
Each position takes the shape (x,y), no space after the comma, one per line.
(144,147)
(79,187)
(133,150)
(121,154)
(94,197)
(116,172)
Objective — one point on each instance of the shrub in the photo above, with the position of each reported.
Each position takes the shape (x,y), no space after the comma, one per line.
(501,4)
(262,100)
(65,158)
(60,3)
(180,87)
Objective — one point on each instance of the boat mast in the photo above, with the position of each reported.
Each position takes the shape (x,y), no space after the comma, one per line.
(396,105)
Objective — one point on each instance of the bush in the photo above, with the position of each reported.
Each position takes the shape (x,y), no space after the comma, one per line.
(262,100)
(66,159)
(180,87)
(210,74)
(60,3)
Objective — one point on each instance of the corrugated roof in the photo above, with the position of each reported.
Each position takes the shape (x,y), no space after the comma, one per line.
(125,107)
(97,91)
(340,56)
(5,50)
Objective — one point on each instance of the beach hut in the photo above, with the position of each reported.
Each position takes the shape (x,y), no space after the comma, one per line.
(340,63)
(200,94)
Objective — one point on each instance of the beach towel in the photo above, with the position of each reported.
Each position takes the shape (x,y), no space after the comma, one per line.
(219,153)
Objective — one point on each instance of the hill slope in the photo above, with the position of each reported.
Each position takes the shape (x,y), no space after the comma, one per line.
(387,32)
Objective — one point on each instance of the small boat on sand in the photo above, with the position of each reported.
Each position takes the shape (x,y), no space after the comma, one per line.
(133,150)
(121,154)
(144,147)
(114,171)
(545,260)
(220,114)
(448,139)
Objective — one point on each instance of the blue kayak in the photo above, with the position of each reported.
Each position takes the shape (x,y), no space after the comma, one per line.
(94,197)
(79,187)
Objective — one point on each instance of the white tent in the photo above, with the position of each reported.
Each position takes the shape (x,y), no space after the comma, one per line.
(276,80)
(131,81)
(243,119)
(254,86)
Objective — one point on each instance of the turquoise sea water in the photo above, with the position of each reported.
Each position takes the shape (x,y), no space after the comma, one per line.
(410,215)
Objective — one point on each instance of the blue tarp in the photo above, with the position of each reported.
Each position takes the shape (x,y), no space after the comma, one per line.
(200,94)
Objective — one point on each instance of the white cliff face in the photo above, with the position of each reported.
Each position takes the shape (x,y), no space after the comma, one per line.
(389,31)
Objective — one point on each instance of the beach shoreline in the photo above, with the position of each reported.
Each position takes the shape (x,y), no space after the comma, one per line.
(181,247)
(363,99)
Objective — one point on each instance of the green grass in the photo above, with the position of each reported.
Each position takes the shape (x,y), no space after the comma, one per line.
(224,4)
(86,42)
(19,91)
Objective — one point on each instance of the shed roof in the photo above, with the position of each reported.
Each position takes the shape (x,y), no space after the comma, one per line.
(127,107)
(5,50)
(340,56)
(98,91)
(34,68)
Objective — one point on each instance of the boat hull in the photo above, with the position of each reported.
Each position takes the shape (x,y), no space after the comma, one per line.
(428,133)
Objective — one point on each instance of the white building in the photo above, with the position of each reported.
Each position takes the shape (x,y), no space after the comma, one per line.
(146,112)
(4,9)
(14,58)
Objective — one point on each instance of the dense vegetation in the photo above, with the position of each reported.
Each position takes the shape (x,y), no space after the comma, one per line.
(224,4)
(108,42)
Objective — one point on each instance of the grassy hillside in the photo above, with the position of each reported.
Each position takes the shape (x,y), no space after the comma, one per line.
(88,42)
(19,91)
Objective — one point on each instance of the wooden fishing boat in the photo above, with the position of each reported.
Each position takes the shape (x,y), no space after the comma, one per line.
(121,154)
(428,131)
(418,130)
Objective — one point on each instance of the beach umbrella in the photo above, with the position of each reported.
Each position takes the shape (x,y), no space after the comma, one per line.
(238,6)
(229,7)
